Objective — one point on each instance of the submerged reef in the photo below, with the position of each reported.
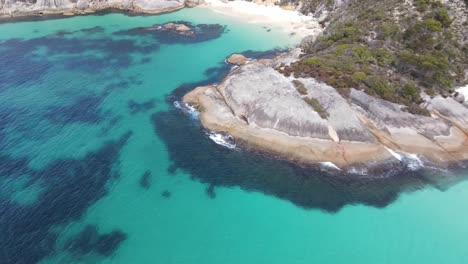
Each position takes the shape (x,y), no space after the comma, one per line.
(27,229)
(178,32)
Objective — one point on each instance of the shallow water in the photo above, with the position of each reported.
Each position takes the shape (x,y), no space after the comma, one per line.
(97,165)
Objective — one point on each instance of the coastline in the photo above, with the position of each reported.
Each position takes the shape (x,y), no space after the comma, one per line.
(378,139)
(291,21)
(446,147)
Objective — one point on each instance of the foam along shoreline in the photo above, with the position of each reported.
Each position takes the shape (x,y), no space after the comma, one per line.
(290,21)
(464,90)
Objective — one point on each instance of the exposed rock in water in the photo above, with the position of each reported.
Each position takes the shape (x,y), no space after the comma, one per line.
(264,110)
(237,59)
(177,32)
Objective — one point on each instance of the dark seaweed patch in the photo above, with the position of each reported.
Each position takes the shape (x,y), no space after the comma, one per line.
(20,64)
(92,30)
(90,241)
(84,110)
(201,32)
(83,242)
(166,194)
(145,60)
(145,180)
(136,107)
(108,243)
(210,191)
(307,187)
(70,187)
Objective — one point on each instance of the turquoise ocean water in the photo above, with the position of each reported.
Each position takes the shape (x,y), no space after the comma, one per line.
(98,166)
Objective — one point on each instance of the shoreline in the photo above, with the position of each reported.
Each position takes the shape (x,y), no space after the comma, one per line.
(290,21)
(67,13)
(391,144)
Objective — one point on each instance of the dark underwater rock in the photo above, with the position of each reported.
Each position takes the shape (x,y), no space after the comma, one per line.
(145,180)
(177,32)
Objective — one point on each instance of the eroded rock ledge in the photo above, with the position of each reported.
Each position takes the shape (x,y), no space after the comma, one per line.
(25,8)
(264,110)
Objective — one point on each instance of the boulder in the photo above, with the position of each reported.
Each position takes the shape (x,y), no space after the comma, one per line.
(169,25)
(237,59)
(181,28)
(459,97)
(193,3)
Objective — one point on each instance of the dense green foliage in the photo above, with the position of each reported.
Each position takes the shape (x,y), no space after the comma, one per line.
(388,57)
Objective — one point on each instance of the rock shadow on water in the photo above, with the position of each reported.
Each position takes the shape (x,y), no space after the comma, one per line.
(178,32)
(70,186)
(309,187)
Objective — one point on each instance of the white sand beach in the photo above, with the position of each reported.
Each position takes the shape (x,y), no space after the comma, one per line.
(291,21)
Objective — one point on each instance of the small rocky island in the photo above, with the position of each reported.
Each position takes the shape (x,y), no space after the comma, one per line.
(177,32)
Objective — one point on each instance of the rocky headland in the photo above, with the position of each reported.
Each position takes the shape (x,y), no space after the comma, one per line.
(371,89)
(31,8)
(264,110)
(373,92)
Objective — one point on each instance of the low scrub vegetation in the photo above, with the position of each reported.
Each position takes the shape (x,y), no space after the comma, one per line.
(393,59)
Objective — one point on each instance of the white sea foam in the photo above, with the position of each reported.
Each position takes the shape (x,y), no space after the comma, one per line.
(464,90)
(331,165)
(192,111)
(413,161)
(394,154)
(224,140)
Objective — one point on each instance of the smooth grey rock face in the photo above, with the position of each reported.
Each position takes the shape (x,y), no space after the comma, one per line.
(341,118)
(460,98)
(389,114)
(12,7)
(267,99)
(451,109)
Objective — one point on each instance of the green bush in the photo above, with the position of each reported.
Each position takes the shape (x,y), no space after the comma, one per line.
(359,76)
(300,87)
(315,104)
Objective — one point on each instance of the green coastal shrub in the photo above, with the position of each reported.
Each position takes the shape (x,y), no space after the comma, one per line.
(300,87)
(315,104)
(367,48)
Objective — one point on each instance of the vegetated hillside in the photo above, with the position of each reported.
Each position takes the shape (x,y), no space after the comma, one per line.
(391,49)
